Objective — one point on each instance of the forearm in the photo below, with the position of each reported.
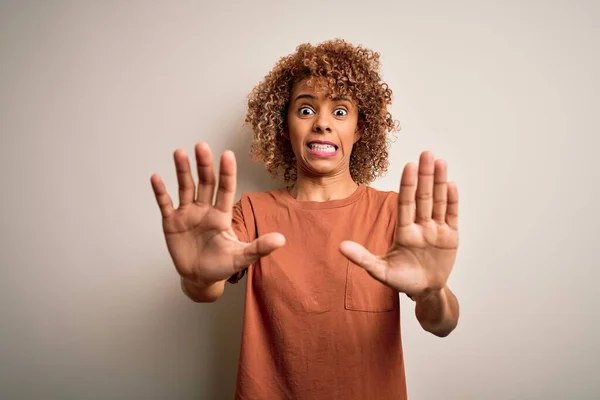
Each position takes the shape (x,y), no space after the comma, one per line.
(438,312)
(203,294)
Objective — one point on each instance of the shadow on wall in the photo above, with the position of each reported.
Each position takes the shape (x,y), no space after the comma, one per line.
(228,310)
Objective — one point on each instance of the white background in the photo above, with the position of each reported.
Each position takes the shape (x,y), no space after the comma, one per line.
(96,96)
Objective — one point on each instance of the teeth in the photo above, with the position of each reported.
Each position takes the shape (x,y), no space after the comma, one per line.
(323,147)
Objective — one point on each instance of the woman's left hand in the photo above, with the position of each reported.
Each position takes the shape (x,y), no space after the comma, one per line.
(424,248)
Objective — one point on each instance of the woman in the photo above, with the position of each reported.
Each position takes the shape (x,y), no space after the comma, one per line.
(326,256)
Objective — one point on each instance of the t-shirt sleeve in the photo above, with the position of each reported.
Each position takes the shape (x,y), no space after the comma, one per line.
(238,225)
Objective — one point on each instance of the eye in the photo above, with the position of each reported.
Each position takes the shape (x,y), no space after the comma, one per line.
(340,112)
(305,111)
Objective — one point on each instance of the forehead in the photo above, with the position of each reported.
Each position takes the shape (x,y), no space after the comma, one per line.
(317,86)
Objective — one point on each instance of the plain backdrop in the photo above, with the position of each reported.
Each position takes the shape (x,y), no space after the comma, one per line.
(96,95)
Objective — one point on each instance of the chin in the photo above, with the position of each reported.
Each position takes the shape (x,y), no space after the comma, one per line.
(318,171)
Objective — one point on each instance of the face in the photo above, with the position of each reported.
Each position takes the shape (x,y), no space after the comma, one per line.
(322,129)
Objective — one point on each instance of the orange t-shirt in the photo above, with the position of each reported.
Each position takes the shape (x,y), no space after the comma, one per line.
(316,326)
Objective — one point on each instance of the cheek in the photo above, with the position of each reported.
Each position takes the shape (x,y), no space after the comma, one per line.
(349,138)
(295,140)
(296,131)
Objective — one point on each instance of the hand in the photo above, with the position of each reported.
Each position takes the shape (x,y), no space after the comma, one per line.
(423,252)
(199,236)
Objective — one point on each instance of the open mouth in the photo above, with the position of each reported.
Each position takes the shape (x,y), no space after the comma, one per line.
(322,148)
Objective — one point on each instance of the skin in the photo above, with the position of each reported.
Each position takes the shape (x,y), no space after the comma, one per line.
(314,115)
(206,251)
(198,233)
(424,249)
(423,252)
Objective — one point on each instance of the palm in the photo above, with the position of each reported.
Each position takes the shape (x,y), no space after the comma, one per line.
(424,248)
(199,235)
(198,239)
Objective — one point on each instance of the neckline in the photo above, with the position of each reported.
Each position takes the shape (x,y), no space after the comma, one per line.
(322,205)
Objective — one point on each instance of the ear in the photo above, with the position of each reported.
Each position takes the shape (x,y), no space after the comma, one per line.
(286,134)
(359,132)
(357,136)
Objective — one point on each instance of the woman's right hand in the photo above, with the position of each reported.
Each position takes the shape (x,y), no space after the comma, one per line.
(199,236)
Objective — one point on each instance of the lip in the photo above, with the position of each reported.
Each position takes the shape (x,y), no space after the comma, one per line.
(322,154)
(323,142)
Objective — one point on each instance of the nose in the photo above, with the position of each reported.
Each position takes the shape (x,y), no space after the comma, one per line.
(321,124)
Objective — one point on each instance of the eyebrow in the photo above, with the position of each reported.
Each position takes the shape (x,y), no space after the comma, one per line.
(305,96)
(341,98)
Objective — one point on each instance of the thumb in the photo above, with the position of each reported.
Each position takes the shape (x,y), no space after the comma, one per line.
(362,257)
(260,247)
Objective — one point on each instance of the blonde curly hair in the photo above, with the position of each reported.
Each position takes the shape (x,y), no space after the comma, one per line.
(345,69)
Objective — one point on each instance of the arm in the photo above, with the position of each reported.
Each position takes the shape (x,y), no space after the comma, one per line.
(202,294)
(424,245)
(197,256)
(208,293)
(438,311)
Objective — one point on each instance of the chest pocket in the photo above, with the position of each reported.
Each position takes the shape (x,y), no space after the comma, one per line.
(365,293)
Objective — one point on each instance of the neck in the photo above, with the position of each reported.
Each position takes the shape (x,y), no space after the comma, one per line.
(322,188)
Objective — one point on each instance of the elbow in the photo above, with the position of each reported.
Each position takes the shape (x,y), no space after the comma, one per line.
(440,330)
(441,333)
(202,297)
(208,294)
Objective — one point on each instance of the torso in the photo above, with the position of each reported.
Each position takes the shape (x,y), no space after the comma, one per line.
(316,325)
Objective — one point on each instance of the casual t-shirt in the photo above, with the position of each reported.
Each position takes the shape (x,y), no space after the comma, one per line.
(317,326)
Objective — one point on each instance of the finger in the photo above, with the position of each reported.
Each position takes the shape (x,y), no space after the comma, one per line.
(425,186)
(227,182)
(260,247)
(206,174)
(440,191)
(162,197)
(406,197)
(365,259)
(452,213)
(184,178)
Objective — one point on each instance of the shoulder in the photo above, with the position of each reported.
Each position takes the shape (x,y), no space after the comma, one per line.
(381,196)
(266,196)
(380,204)
(380,192)
(251,203)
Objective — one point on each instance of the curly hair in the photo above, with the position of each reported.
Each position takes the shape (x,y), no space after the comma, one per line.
(344,69)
